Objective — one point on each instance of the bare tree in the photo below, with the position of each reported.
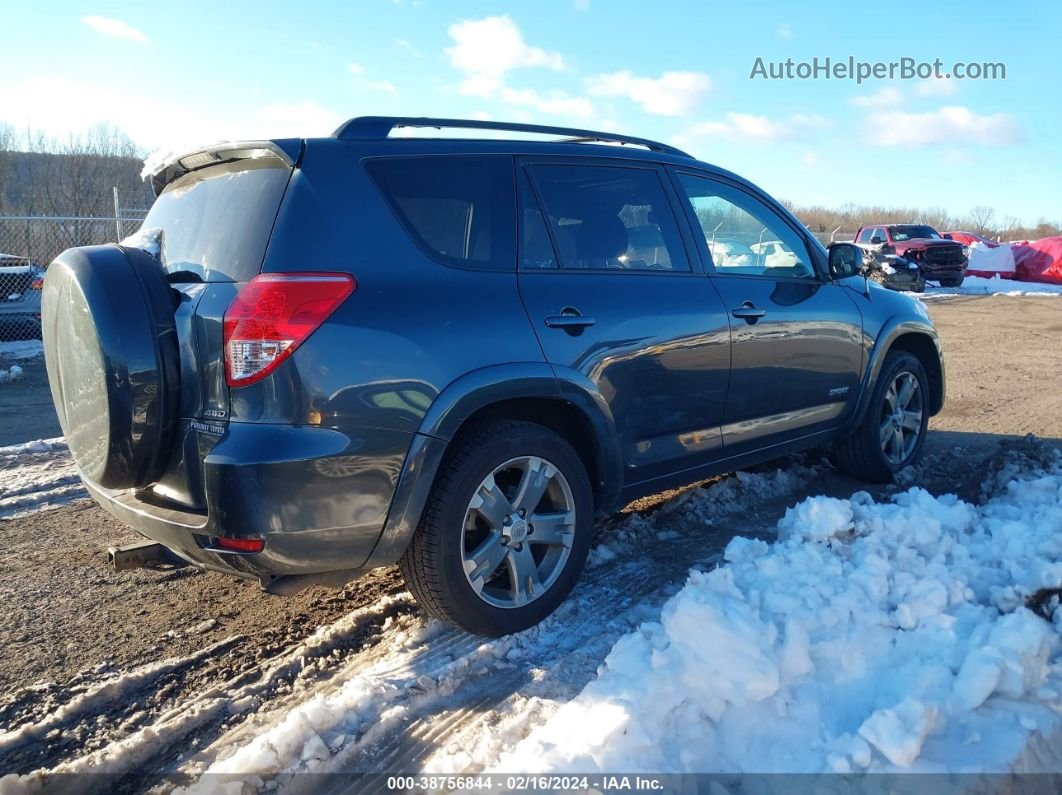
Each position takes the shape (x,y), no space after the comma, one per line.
(980,219)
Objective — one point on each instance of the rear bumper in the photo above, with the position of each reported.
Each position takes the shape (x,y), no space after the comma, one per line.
(318,497)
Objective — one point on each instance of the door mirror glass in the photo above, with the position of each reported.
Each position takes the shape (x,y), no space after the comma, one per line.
(876,240)
(846,259)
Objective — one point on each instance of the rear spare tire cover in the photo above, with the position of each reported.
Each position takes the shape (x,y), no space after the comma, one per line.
(110,347)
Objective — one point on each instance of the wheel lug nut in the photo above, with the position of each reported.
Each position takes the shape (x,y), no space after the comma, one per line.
(523,512)
(530,529)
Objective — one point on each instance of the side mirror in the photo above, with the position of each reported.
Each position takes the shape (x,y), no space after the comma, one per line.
(877,240)
(846,259)
(947,236)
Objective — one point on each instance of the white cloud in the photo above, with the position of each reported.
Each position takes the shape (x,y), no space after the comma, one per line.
(116,28)
(361,81)
(810,159)
(671,94)
(886,97)
(485,50)
(60,107)
(305,119)
(750,127)
(952,125)
(378,85)
(785,31)
(937,87)
(557,103)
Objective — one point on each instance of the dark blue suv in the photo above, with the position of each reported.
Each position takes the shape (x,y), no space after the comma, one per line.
(323,356)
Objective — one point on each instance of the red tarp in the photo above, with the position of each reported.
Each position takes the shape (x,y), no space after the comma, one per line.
(969,238)
(1038,260)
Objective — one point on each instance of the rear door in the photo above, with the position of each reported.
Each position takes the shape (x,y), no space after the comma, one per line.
(796,354)
(608,280)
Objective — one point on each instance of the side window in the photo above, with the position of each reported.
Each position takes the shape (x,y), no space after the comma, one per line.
(610,218)
(744,236)
(460,210)
(865,235)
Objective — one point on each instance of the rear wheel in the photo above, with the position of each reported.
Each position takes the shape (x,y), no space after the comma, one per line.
(894,428)
(506,530)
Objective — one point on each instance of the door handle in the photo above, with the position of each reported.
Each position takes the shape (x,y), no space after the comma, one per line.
(570,320)
(748,312)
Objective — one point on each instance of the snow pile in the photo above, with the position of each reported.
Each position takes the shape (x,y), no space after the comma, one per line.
(870,636)
(37,475)
(978,285)
(14,373)
(21,349)
(146,239)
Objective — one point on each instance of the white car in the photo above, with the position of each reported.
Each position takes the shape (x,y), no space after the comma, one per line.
(732,254)
(775,254)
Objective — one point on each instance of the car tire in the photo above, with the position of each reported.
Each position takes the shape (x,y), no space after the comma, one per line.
(475,561)
(874,452)
(920,285)
(956,282)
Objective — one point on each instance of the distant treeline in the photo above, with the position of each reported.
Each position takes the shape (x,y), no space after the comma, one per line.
(75,176)
(981,220)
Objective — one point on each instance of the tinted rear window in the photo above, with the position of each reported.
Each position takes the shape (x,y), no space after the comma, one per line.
(216,222)
(459,209)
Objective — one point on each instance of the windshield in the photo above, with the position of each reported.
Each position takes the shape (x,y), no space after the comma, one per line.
(216,222)
(913,231)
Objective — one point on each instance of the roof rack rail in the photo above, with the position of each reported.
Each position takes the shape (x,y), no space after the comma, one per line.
(374,127)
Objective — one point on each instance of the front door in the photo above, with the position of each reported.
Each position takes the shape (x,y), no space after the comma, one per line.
(796,354)
(612,289)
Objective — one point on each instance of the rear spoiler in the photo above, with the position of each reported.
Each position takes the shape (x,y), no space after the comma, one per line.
(164,170)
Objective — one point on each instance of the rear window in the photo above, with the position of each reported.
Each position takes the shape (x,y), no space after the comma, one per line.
(216,222)
(459,209)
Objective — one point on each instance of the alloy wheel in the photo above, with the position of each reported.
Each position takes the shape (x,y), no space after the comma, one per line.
(518,532)
(901,418)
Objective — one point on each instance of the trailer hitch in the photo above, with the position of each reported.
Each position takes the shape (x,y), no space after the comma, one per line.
(143,555)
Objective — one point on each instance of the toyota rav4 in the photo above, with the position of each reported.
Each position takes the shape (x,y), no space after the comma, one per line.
(327,355)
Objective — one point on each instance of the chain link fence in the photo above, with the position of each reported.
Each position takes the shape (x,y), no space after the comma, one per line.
(836,236)
(27,245)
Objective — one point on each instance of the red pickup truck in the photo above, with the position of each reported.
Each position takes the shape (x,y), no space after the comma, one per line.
(939,259)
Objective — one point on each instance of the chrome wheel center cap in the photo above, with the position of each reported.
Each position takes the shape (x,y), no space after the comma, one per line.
(517,531)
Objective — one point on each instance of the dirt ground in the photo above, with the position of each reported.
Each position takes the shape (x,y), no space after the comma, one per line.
(68,620)
(26,411)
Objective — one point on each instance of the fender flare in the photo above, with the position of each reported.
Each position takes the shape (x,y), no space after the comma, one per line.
(460,400)
(894,328)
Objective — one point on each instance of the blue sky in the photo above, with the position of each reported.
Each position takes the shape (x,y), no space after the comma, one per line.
(175,74)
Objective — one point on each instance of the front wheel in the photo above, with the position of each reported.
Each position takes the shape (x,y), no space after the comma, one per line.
(506,531)
(894,427)
(955,281)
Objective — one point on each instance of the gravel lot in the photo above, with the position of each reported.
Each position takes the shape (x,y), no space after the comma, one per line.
(71,622)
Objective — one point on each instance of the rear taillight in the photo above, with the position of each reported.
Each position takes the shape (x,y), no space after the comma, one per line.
(272,315)
(239,544)
(37,283)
